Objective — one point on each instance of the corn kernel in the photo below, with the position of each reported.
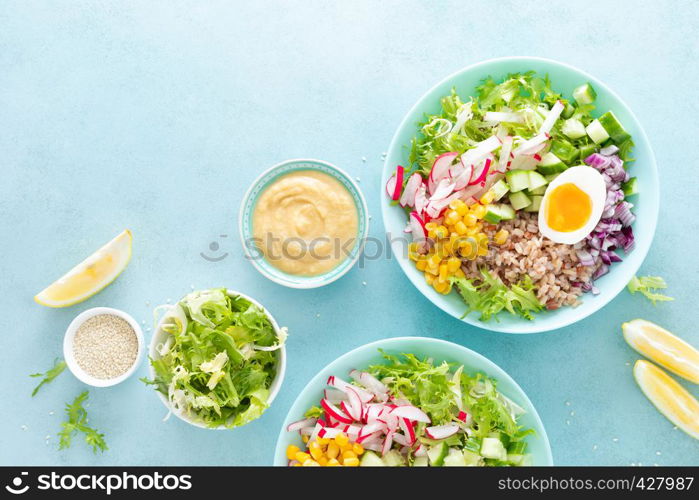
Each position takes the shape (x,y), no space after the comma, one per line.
(455,204)
(433,261)
(302,456)
(442,232)
(429,278)
(434,271)
(291,452)
(443,272)
(462,209)
(470,220)
(482,252)
(478,211)
(441,287)
(322,441)
(431,226)
(459,273)
(333,450)
(305,439)
(501,237)
(351,462)
(348,454)
(421,264)
(453,264)
(323,461)
(347,447)
(432,234)
(333,463)
(296,464)
(341,439)
(452,217)
(488,197)
(317,453)
(357,448)
(460,228)
(311,463)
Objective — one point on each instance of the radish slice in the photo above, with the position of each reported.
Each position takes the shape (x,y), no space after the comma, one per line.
(411,188)
(373,447)
(495,116)
(505,154)
(461,181)
(335,412)
(301,424)
(411,413)
(315,432)
(355,404)
(481,151)
(370,382)
(417,227)
(440,169)
(329,432)
(443,189)
(388,442)
(401,439)
(435,208)
(523,162)
(532,145)
(441,431)
(420,451)
(421,199)
(551,118)
(395,183)
(479,173)
(335,396)
(407,429)
(338,383)
(307,431)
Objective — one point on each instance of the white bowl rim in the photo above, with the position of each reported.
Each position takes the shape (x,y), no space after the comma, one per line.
(642,251)
(69,356)
(310,284)
(381,344)
(273,389)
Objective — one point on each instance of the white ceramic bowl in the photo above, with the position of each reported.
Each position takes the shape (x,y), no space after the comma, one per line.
(247,208)
(69,356)
(160,336)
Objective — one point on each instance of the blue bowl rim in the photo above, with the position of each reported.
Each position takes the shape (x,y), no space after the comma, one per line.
(642,250)
(317,281)
(316,380)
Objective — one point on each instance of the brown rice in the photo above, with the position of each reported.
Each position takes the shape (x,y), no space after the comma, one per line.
(553,267)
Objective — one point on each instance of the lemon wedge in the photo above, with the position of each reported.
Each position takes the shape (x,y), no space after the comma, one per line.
(661,346)
(669,397)
(90,276)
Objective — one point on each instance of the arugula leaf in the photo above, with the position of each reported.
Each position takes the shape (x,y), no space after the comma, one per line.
(77,422)
(58,367)
(646,285)
(490,296)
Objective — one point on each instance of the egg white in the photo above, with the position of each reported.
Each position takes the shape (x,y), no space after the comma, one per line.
(588,180)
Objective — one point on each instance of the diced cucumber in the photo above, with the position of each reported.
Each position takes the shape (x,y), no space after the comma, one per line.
(551,164)
(538,191)
(515,459)
(564,150)
(371,459)
(584,94)
(504,438)
(630,187)
(497,212)
(573,128)
(611,124)
(500,189)
(596,132)
(493,448)
(550,178)
(437,453)
(536,180)
(519,200)
(455,458)
(472,458)
(420,462)
(586,150)
(535,205)
(568,111)
(506,212)
(473,444)
(517,180)
(394,459)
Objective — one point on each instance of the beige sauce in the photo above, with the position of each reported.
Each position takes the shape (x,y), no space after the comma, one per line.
(305,223)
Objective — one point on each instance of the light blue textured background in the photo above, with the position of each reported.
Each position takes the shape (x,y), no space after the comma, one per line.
(156,116)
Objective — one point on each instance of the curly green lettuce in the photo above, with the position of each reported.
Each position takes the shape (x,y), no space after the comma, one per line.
(647,286)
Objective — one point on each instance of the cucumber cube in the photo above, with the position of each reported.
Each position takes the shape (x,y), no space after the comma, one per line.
(550,164)
(584,94)
(472,458)
(568,111)
(437,453)
(493,448)
(506,212)
(455,458)
(519,200)
(536,180)
(630,188)
(500,189)
(492,213)
(371,459)
(611,124)
(596,132)
(518,180)
(420,462)
(565,150)
(573,128)
(586,150)
(535,205)
(538,191)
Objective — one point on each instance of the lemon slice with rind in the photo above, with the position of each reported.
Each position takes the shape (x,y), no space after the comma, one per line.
(90,276)
(669,397)
(661,346)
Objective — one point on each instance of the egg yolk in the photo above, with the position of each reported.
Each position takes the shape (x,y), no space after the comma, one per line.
(568,208)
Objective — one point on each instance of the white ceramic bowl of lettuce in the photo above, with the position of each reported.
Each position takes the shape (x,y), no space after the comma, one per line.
(564,78)
(160,337)
(538,445)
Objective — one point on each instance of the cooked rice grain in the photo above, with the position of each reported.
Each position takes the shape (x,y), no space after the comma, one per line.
(553,267)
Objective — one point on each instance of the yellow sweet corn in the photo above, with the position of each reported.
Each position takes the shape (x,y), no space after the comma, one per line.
(460,228)
(358,449)
(341,439)
(443,272)
(348,454)
(429,278)
(333,450)
(501,237)
(488,197)
(291,452)
(421,264)
(333,463)
(479,211)
(441,286)
(453,264)
(351,462)
(470,220)
(310,463)
(452,217)
(302,456)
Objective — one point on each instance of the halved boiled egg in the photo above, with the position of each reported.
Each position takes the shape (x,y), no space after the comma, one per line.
(573,204)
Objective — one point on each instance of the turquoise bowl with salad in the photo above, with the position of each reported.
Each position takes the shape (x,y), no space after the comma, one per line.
(217,359)
(413,401)
(527,191)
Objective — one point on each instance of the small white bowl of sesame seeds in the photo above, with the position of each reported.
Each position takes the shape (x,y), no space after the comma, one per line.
(103,346)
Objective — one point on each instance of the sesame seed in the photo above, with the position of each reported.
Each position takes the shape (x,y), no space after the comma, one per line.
(364,283)
(658,453)
(594,447)
(105,346)
(567,403)
(364,159)
(24,427)
(567,422)
(616,440)
(572,413)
